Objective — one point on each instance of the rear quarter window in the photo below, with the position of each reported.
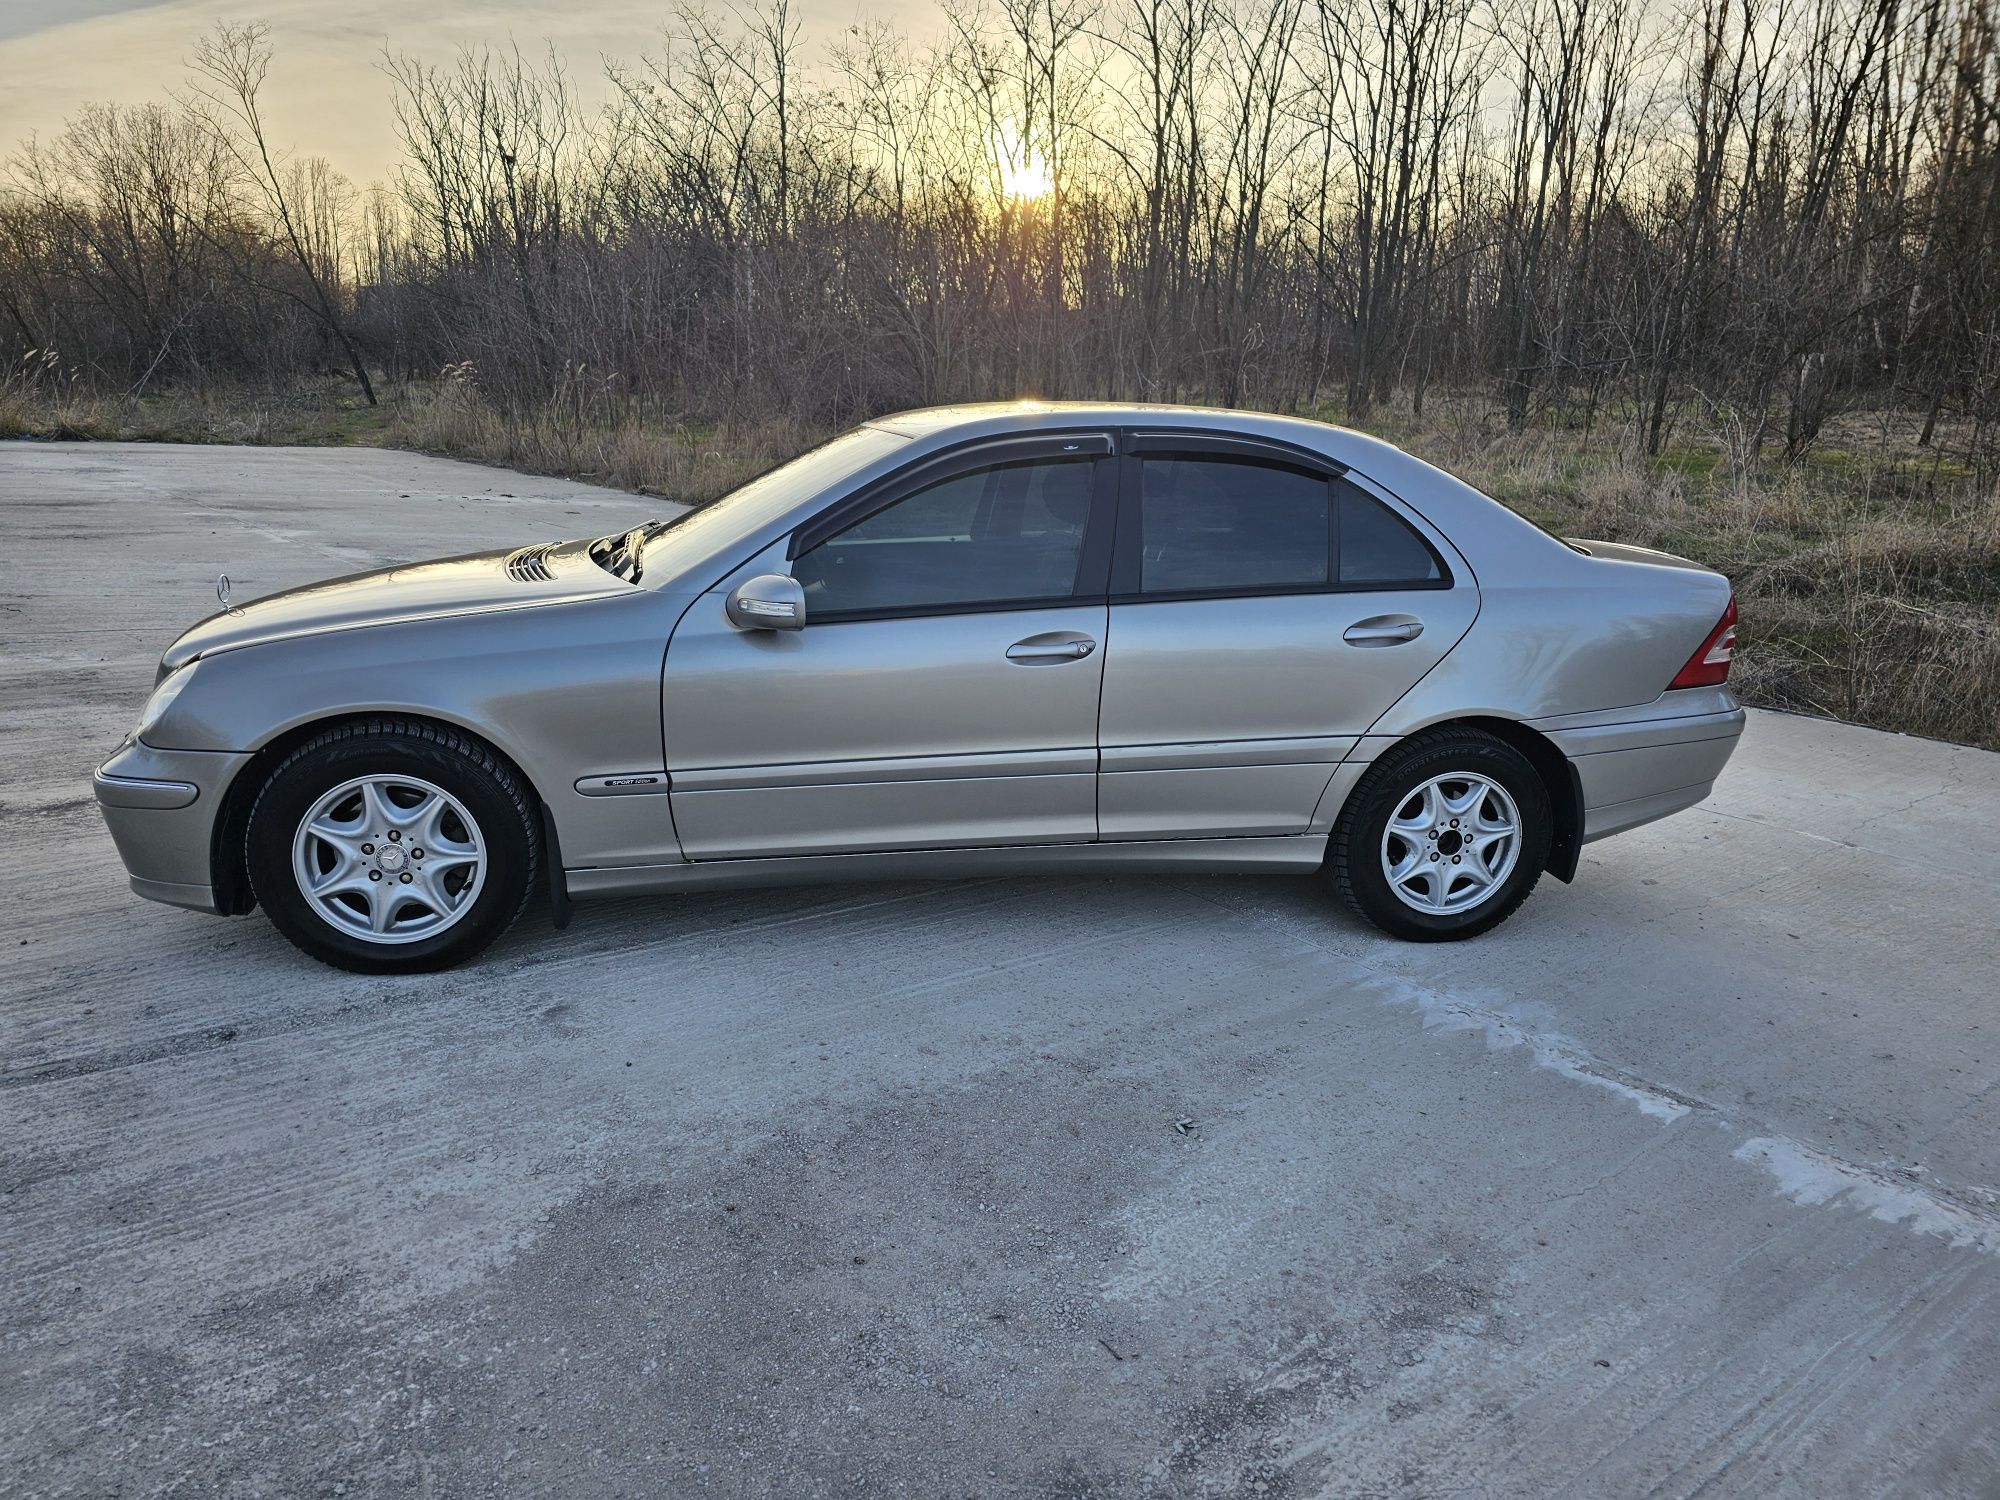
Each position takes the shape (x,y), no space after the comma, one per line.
(1379,549)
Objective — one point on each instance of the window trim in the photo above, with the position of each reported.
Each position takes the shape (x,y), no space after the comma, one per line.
(1093,556)
(1143,441)
(934,611)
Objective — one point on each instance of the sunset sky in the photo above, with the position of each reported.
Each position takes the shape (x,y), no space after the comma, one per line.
(325,94)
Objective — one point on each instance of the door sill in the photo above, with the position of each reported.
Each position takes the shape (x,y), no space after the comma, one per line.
(1286,854)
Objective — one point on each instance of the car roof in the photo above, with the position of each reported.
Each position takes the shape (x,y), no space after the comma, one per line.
(974,419)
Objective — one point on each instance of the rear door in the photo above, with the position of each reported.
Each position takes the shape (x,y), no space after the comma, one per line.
(943,692)
(1264,611)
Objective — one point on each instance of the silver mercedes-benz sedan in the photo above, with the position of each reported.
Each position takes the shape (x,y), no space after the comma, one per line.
(970,641)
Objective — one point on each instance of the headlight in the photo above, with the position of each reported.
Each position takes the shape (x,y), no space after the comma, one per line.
(163,699)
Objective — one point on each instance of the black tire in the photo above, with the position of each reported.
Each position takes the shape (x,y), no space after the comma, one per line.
(1355,854)
(505,810)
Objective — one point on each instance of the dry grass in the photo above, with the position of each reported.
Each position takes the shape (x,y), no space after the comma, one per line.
(596,440)
(1868,575)
(41,400)
(622,449)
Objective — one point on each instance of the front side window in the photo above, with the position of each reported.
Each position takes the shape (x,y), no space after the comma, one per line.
(1006,534)
(1231,525)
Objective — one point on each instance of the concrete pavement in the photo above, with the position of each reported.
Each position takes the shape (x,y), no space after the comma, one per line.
(1684,1181)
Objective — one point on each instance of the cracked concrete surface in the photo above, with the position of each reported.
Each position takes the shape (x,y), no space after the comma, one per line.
(1683,1181)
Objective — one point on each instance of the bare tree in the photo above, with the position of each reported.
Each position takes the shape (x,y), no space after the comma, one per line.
(231,63)
(1746,214)
(1395,81)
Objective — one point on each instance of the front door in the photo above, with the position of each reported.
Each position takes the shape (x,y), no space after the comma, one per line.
(944,690)
(1265,611)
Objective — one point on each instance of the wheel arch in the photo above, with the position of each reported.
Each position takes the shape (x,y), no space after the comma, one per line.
(228,876)
(1559,780)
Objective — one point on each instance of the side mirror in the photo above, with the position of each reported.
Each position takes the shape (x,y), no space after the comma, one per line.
(770,601)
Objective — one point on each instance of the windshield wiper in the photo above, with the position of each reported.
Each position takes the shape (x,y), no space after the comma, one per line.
(620,555)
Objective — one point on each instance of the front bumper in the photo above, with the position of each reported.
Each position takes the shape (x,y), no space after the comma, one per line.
(161,806)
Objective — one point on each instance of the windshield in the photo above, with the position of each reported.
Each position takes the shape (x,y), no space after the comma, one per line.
(670,546)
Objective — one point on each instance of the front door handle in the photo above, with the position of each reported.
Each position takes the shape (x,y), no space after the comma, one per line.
(1056,646)
(1383,630)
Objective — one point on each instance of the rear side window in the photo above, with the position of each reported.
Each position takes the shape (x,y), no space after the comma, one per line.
(1223,524)
(1378,548)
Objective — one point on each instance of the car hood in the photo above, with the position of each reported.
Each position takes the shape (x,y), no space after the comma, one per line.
(518,578)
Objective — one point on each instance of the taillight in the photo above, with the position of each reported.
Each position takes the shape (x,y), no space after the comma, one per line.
(1710,663)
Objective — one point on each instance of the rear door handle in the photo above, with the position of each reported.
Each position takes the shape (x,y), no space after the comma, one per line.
(1056,646)
(1383,630)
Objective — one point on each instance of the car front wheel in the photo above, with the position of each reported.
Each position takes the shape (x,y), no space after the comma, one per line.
(392,846)
(1444,836)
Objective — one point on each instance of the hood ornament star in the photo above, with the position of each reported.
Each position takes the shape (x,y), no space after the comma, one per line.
(222,589)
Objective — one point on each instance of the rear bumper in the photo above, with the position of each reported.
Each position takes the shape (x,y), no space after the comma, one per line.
(1643,764)
(160,806)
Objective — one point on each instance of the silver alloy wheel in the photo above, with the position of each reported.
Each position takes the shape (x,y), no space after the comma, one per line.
(1451,843)
(389,859)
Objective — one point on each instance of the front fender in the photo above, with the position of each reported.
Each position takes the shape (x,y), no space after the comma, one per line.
(566,692)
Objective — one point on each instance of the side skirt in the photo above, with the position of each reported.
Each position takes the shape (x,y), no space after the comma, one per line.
(1289,854)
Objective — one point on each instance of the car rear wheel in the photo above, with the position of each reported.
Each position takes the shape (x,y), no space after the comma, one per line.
(392,846)
(1444,836)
